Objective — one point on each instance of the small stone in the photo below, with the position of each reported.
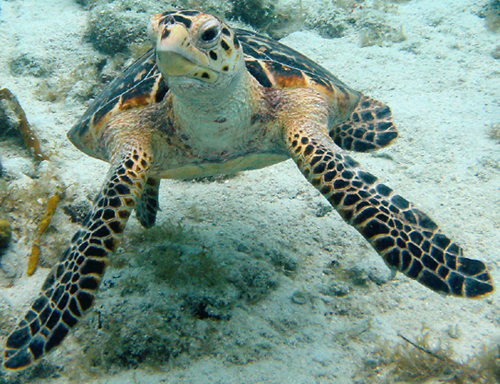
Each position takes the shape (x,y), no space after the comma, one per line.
(335,289)
(380,276)
(358,275)
(284,260)
(323,209)
(300,297)
(496,53)
(371,363)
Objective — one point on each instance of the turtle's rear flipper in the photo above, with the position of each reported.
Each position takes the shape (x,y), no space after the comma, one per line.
(369,127)
(70,288)
(147,205)
(407,239)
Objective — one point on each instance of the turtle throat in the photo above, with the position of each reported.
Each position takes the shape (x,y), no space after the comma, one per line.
(213,118)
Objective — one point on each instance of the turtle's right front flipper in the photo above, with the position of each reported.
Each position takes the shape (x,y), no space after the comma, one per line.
(369,127)
(70,288)
(407,239)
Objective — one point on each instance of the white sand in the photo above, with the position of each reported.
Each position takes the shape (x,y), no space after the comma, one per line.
(444,90)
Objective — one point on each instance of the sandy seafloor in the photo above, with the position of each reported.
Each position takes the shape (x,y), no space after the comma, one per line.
(443,86)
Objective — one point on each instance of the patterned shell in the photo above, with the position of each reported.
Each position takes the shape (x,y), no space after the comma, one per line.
(273,65)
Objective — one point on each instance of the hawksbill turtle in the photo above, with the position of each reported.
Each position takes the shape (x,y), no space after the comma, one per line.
(209,100)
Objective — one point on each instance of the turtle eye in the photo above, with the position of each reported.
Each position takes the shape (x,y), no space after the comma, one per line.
(210,34)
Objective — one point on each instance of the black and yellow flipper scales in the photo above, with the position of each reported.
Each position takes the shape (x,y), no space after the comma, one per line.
(70,288)
(147,205)
(368,128)
(407,239)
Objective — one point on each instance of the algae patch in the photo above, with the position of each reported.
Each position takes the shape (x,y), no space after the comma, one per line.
(169,296)
(493,132)
(5,233)
(10,106)
(428,359)
(491,15)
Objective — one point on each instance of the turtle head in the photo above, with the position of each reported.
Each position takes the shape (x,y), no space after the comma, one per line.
(195,50)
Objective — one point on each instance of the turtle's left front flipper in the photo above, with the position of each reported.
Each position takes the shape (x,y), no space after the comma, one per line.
(407,239)
(70,288)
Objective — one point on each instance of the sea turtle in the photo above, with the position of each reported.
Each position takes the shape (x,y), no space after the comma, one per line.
(209,100)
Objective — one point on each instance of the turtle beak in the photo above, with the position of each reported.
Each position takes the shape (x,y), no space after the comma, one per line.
(173,51)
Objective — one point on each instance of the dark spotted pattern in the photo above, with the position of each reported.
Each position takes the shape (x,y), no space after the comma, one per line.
(165,33)
(70,288)
(183,20)
(224,45)
(406,238)
(147,205)
(369,127)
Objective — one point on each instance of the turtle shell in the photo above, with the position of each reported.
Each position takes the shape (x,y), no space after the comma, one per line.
(271,63)
(276,65)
